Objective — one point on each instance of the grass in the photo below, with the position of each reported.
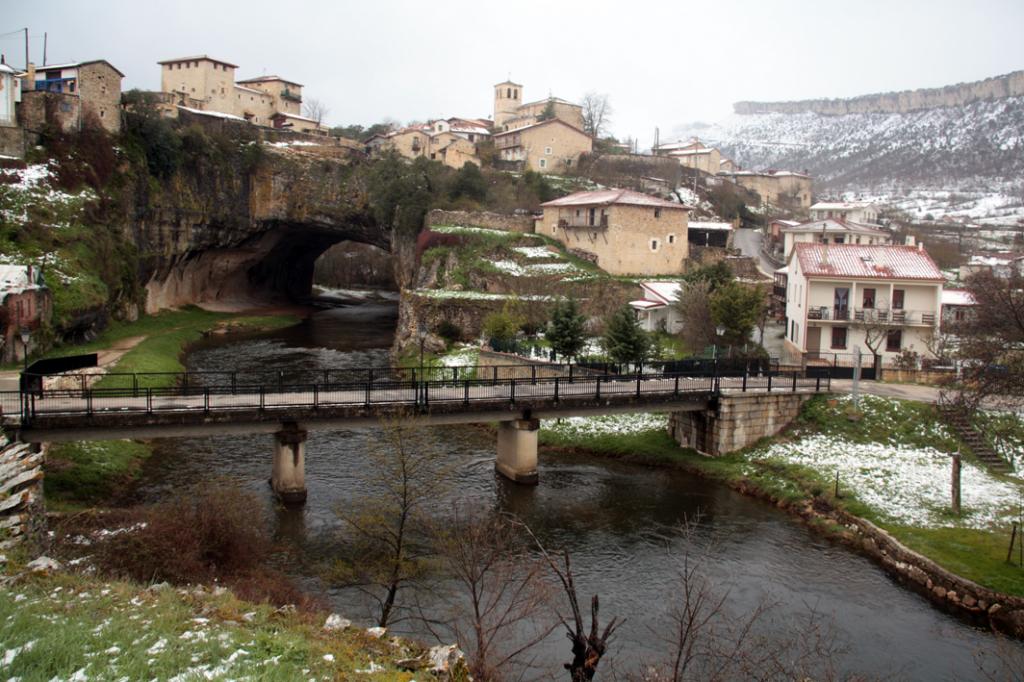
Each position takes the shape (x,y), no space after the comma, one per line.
(167,336)
(978,555)
(84,473)
(68,626)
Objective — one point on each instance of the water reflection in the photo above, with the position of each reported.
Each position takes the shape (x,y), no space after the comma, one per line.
(621,523)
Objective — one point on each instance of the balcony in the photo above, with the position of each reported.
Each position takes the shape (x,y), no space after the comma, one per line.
(873,316)
(583,222)
(291,96)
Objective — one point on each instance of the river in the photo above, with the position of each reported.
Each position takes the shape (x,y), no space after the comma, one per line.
(620,522)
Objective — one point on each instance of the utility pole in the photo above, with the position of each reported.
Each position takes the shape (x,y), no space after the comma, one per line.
(26,48)
(44,48)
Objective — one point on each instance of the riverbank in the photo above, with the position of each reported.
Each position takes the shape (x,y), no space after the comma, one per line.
(83,474)
(57,625)
(892,494)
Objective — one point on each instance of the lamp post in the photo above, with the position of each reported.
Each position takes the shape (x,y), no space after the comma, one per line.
(26,336)
(422,333)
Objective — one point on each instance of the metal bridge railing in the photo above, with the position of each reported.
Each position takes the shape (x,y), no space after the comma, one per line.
(420,394)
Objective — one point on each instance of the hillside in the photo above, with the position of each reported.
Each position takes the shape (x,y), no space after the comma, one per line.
(956,152)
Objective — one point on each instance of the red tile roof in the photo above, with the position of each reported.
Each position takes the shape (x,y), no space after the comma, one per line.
(858,261)
(604,197)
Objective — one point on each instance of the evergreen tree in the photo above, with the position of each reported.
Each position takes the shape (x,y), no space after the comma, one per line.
(469,182)
(624,341)
(737,309)
(549,111)
(565,330)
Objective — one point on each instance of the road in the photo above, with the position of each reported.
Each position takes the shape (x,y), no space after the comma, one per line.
(749,243)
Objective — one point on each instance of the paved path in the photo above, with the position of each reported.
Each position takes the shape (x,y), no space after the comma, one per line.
(9,381)
(749,243)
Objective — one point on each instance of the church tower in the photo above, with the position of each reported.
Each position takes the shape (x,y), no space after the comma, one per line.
(507,98)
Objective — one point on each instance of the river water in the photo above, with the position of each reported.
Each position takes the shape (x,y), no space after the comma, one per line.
(620,522)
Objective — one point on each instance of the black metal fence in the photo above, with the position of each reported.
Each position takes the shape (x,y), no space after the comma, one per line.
(190,396)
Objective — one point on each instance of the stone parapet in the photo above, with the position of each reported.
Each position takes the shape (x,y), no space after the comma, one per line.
(735,421)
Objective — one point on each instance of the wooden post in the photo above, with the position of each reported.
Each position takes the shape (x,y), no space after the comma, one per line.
(836,493)
(1013,538)
(956,483)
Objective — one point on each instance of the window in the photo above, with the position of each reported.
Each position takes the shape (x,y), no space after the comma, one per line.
(543,163)
(654,245)
(897,299)
(508,93)
(671,239)
(869,298)
(547,150)
(839,337)
(894,340)
(657,213)
(841,301)
(568,163)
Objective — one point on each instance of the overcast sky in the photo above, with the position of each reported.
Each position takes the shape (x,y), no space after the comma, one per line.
(661,63)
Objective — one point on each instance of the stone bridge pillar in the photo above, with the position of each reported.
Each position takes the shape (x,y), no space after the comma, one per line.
(288,473)
(517,450)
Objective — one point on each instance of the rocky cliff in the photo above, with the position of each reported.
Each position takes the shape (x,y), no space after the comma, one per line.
(248,230)
(961,94)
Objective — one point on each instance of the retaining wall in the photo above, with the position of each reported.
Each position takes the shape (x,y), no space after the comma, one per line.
(21,493)
(494,221)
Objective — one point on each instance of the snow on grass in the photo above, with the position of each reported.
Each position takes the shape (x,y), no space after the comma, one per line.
(466,356)
(553,268)
(612,424)
(536,252)
(510,267)
(475,295)
(465,229)
(906,485)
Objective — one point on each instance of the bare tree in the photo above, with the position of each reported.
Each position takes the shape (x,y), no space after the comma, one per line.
(876,324)
(597,113)
(588,646)
(694,307)
(501,609)
(388,535)
(991,342)
(314,109)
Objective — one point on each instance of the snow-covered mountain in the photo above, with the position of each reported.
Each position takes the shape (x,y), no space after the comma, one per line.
(971,154)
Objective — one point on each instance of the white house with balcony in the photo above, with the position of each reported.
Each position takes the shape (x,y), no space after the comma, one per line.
(832,231)
(843,296)
(856,211)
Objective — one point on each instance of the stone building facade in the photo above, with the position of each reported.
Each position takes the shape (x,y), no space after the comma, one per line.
(786,189)
(25,304)
(511,113)
(627,232)
(552,146)
(692,154)
(76,92)
(269,101)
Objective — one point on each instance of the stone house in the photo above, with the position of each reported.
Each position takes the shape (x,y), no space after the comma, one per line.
(854,211)
(832,231)
(1002,264)
(209,85)
(622,231)
(76,91)
(12,135)
(705,233)
(552,146)
(25,304)
(656,311)
(786,189)
(837,294)
(692,154)
(510,112)
(957,306)
(452,150)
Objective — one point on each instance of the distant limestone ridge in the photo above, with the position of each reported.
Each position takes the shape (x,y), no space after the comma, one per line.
(961,94)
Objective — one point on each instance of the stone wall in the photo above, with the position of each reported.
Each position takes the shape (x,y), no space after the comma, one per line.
(12,142)
(493,221)
(38,107)
(544,370)
(21,493)
(936,377)
(738,420)
(1008,85)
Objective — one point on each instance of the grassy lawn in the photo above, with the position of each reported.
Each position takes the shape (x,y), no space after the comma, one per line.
(85,473)
(167,335)
(976,552)
(69,626)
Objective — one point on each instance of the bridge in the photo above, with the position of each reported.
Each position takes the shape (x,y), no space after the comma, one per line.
(713,413)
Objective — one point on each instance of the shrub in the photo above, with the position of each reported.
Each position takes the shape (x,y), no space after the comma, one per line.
(198,536)
(428,240)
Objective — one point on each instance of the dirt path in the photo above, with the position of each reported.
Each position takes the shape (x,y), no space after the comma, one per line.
(105,359)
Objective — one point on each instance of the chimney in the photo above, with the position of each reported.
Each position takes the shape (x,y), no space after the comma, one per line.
(29,81)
